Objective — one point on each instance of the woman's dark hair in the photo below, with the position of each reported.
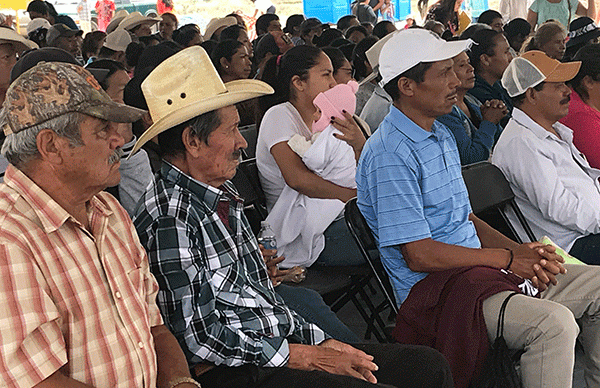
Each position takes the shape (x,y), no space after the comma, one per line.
(266,45)
(472,29)
(444,10)
(359,57)
(543,35)
(381,29)
(488,16)
(278,72)
(345,22)
(149,40)
(353,29)
(231,32)
(133,52)
(336,56)
(225,49)
(327,37)
(590,66)
(209,45)
(107,64)
(293,22)
(185,34)
(91,44)
(485,43)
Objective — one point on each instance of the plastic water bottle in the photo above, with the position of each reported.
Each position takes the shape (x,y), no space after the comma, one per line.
(266,236)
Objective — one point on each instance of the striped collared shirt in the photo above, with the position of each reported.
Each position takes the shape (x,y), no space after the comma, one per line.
(215,293)
(75,299)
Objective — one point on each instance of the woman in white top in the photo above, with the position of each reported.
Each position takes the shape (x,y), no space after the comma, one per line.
(297,77)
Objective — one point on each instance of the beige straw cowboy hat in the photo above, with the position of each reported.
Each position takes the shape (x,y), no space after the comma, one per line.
(187,85)
(116,20)
(19,42)
(134,19)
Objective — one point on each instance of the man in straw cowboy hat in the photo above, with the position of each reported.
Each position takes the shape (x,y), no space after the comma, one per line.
(137,24)
(79,305)
(216,295)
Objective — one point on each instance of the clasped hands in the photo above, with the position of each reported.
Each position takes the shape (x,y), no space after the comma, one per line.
(538,262)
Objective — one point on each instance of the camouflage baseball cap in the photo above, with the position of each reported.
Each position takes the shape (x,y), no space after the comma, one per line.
(52,89)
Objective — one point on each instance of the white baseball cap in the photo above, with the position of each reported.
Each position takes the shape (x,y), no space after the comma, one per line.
(410,47)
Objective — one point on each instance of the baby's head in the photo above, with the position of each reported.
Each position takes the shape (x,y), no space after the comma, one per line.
(332,102)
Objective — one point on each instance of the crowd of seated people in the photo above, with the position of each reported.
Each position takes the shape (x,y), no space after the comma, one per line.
(128,259)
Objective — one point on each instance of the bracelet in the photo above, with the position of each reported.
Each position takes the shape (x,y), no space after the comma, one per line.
(182,380)
(512,257)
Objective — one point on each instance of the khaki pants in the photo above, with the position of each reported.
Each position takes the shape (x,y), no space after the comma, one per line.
(547,328)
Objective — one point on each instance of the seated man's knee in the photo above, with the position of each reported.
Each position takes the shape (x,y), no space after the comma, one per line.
(560,324)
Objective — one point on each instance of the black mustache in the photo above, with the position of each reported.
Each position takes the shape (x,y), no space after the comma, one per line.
(566,100)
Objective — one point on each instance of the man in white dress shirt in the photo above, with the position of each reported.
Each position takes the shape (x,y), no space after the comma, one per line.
(555,187)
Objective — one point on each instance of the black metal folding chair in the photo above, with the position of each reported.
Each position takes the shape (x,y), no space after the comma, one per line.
(491,196)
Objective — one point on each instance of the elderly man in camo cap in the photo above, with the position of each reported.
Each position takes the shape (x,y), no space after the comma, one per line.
(78,299)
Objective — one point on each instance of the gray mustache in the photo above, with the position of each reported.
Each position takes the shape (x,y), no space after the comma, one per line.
(116,156)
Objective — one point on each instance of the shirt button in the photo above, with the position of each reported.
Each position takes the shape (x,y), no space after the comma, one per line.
(141,345)
(118,295)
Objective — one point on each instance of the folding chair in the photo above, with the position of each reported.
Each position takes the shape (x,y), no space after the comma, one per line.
(336,285)
(491,196)
(250,133)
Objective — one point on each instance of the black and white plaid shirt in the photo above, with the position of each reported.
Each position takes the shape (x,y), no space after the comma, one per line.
(215,294)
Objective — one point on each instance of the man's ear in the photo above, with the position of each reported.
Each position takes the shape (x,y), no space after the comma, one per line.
(51,146)
(406,86)
(192,144)
(531,96)
(484,59)
(224,63)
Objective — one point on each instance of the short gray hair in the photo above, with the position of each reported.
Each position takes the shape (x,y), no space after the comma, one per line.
(170,142)
(21,147)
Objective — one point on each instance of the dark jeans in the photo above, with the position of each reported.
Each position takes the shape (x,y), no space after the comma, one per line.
(399,366)
(587,249)
(310,306)
(340,247)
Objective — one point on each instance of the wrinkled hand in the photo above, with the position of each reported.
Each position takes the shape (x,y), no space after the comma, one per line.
(538,262)
(329,358)
(275,274)
(351,132)
(493,110)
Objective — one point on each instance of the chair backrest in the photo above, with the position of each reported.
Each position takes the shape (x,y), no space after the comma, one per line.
(247,183)
(250,133)
(491,196)
(359,229)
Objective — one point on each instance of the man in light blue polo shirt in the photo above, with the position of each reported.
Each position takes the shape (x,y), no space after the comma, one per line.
(411,192)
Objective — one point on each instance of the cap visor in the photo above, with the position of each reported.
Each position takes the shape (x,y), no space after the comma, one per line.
(583,38)
(564,72)
(449,50)
(237,91)
(113,111)
(368,78)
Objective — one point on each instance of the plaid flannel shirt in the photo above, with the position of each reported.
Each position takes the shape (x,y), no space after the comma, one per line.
(215,294)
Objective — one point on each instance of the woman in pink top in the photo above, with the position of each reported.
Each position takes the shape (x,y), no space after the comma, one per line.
(584,109)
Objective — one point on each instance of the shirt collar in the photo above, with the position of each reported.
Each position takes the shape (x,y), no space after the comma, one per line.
(209,195)
(409,128)
(51,215)
(566,134)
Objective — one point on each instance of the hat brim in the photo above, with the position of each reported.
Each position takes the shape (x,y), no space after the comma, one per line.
(113,111)
(564,72)
(583,38)
(237,91)
(136,23)
(114,24)
(20,45)
(368,78)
